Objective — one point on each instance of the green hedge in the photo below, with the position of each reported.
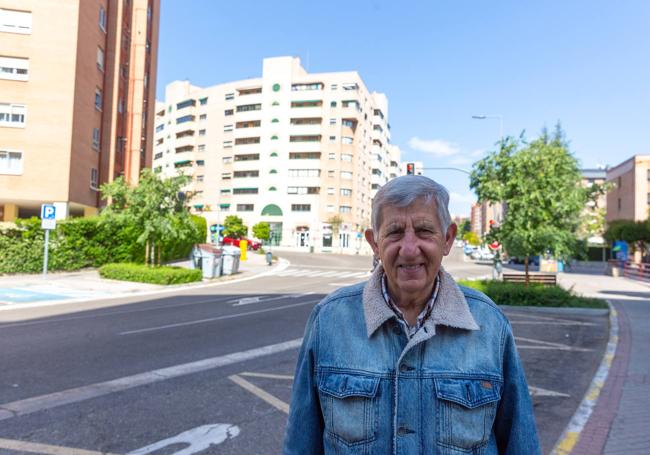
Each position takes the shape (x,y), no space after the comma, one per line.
(83,242)
(534,295)
(145,274)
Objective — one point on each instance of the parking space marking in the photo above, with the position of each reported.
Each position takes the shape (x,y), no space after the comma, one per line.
(539,392)
(539,344)
(52,400)
(34,447)
(266,375)
(263,394)
(193,441)
(217,318)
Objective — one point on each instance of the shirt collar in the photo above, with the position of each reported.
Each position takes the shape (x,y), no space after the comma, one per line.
(449,308)
(422,317)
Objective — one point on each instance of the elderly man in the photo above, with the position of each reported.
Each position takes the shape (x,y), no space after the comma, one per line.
(409,362)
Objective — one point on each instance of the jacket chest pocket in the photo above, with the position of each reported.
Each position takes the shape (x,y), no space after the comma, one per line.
(465,412)
(349,407)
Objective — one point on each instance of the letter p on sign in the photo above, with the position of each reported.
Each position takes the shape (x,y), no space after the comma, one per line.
(48,212)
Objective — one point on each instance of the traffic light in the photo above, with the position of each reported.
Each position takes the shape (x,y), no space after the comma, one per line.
(410,168)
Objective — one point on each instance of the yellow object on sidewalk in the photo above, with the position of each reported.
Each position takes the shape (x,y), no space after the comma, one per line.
(243,246)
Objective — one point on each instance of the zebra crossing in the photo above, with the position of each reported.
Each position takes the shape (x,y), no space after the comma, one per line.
(320,273)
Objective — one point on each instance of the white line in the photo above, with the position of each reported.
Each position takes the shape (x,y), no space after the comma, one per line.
(340,284)
(264,395)
(539,392)
(218,318)
(572,432)
(552,348)
(327,274)
(551,323)
(561,346)
(52,400)
(34,447)
(266,375)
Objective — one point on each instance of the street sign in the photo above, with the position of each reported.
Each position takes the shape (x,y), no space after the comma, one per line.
(48,222)
(48,212)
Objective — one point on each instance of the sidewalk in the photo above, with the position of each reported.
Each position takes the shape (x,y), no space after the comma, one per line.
(620,420)
(87,285)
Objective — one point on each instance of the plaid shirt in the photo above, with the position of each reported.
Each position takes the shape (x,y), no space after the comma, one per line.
(422,317)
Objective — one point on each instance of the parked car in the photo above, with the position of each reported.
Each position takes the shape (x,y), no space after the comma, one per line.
(469,249)
(252,244)
(482,254)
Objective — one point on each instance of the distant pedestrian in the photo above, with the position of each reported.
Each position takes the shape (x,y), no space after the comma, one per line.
(409,362)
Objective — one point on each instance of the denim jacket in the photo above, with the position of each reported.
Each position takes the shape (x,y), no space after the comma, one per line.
(456,387)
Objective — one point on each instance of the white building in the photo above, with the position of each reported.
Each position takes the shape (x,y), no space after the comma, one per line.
(304,152)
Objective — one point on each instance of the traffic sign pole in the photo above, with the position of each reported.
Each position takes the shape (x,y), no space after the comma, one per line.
(47,241)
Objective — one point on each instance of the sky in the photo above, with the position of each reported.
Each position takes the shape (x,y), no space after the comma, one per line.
(584,63)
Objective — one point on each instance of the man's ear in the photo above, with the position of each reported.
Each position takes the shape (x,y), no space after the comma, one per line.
(450,237)
(370,238)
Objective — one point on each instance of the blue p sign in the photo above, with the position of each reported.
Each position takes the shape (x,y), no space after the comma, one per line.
(48,212)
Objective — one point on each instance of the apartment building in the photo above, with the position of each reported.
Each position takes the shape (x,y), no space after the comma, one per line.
(77,88)
(630,197)
(303,152)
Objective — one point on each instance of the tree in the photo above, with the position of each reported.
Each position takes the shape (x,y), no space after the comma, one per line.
(539,185)
(262,231)
(234,227)
(157,206)
(472,238)
(335,221)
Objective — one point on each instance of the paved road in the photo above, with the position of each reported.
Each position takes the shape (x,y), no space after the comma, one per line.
(119,376)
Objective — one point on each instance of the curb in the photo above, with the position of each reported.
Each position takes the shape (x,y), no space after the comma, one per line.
(573,431)
(282,265)
(567,310)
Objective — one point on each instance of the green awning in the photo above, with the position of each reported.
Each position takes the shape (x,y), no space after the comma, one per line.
(272,210)
(224,206)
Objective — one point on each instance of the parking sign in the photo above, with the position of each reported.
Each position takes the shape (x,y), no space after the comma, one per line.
(48,216)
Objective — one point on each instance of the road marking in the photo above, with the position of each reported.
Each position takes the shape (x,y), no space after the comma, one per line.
(549,345)
(267,375)
(264,395)
(539,392)
(52,400)
(34,447)
(340,284)
(199,439)
(572,432)
(554,323)
(218,318)
(245,301)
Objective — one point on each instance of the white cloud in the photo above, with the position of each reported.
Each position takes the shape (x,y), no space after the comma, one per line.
(436,147)
(478,152)
(460,160)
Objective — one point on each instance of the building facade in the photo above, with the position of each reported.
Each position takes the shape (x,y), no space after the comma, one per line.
(304,152)
(77,90)
(629,198)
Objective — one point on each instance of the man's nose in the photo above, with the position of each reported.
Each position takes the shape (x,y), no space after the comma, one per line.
(410,244)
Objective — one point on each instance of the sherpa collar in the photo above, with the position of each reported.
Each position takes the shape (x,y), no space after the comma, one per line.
(450,307)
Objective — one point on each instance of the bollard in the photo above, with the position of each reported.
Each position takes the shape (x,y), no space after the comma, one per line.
(269,258)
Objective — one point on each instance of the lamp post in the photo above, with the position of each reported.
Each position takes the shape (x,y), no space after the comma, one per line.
(500,117)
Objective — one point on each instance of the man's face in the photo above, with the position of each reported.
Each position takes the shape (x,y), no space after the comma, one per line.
(411,245)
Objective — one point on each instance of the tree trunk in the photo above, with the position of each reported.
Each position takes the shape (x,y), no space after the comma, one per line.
(146,253)
(526,269)
(159,254)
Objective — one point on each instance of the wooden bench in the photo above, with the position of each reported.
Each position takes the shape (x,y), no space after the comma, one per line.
(538,278)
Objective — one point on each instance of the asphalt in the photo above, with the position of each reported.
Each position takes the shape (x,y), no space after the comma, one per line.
(617,422)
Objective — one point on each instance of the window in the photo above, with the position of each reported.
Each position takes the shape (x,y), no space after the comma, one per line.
(345,175)
(332,155)
(230,96)
(203,117)
(160,127)
(185,118)
(120,106)
(348,123)
(334,87)
(350,86)
(307,103)
(346,157)
(244,174)
(13,21)
(331,208)
(102,19)
(345,209)
(203,101)
(200,163)
(245,191)
(100,59)
(304,155)
(98,99)
(11,162)
(332,139)
(96,138)
(158,155)
(374,186)
(13,115)
(347,192)
(249,124)
(227,144)
(224,207)
(332,121)
(306,121)
(247,140)
(333,104)
(249,107)
(186,103)
(300,207)
(301,87)
(249,91)
(94,178)
(228,112)
(227,128)
(227,159)
(331,191)
(14,68)
(201,148)
(245,207)
(310,138)
(247,157)
(331,174)
(225,191)
(304,172)
(303,190)
(201,132)
(376,172)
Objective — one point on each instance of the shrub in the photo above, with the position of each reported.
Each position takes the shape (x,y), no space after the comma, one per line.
(145,274)
(517,294)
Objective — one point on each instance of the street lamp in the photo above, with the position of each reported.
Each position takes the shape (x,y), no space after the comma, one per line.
(500,117)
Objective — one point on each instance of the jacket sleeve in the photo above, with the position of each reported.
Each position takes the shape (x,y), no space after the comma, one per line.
(304,433)
(514,426)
